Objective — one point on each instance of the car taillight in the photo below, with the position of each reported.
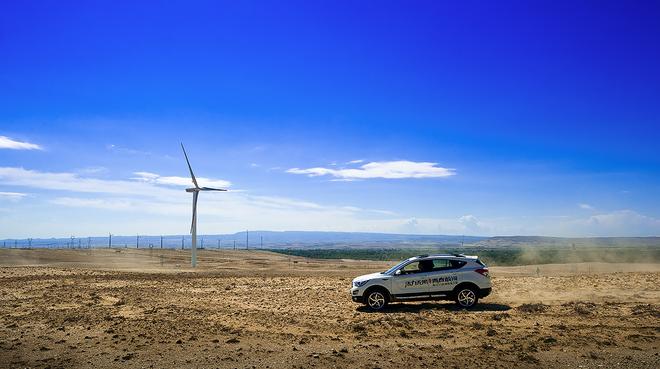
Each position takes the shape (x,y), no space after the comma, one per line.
(483,271)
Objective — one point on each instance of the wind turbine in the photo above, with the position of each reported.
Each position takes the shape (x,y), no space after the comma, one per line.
(195,191)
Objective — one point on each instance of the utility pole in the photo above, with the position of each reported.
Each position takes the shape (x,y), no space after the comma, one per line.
(80,243)
(247,240)
(218,244)
(29,242)
(262,242)
(161,242)
(137,241)
(72,245)
(201,245)
(109,240)
(182,240)
(234,245)
(89,242)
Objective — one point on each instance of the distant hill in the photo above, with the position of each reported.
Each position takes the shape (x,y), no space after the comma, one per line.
(322,238)
(330,240)
(271,239)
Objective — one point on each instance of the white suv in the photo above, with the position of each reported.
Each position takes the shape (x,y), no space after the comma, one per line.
(456,277)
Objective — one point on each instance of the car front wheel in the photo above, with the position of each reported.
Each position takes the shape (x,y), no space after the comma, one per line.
(466,297)
(376,300)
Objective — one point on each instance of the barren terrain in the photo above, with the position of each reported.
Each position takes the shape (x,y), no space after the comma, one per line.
(240,309)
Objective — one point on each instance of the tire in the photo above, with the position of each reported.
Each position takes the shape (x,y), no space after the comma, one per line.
(466,297)
(376,299)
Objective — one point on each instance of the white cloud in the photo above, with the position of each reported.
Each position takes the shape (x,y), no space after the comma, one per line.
(381,169)
(586,206)
(8,143)
(12,196)
(93,170)
(126,150)
(73,182)
(179,181)
(410,226)
(471,224)
(155,205)
(150,202)
(620,223)
(358,161)
(108,204)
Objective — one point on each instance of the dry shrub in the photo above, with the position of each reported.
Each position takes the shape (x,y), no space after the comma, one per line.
(582,308)
(500,316)
(646,309)
(528,358)
(533,308)
(359,328)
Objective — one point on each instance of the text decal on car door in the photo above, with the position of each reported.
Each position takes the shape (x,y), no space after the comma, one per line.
(443,281)
(437,281)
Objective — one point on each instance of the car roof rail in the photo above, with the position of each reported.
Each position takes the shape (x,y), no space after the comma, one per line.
(422,256)
(459,255)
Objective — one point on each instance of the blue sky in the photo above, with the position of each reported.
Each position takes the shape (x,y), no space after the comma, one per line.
(501,118)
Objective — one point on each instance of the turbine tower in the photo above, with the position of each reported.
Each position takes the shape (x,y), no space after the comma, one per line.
(195,191)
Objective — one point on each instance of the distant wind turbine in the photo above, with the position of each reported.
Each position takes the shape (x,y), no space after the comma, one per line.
(195,191)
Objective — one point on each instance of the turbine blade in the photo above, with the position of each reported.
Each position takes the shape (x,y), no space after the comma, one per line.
(194,214)
(212,189)
(192,175)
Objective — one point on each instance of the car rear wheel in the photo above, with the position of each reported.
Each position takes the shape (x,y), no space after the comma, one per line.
(466,297)
(376,300)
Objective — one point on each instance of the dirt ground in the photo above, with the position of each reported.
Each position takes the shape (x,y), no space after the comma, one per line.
(252,309)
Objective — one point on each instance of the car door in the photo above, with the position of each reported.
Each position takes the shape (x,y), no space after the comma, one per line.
(410,281)
(445,276)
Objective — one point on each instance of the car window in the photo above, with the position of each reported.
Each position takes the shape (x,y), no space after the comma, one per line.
(395,268)
(457,264)
(411,268)
(421,266)
(441,264)
(447,264)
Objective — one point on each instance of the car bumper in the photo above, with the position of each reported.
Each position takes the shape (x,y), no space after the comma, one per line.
(484,292)
(356,294)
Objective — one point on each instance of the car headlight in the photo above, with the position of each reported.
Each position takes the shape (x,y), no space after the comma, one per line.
(359,284)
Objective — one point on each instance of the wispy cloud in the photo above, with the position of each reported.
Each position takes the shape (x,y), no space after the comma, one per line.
(145,184)
(12,196)
(619,223)
(179,181)
(472,225)
(585,206)
(358,161)
(97,203)
(8,143)
(127,151)
(381,169)
(153,194)
(146,205)
(93,170)
(73,182)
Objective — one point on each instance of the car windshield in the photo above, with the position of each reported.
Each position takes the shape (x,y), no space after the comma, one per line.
(394,268)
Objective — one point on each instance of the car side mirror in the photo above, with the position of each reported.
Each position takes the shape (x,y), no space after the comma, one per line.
(398,272)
